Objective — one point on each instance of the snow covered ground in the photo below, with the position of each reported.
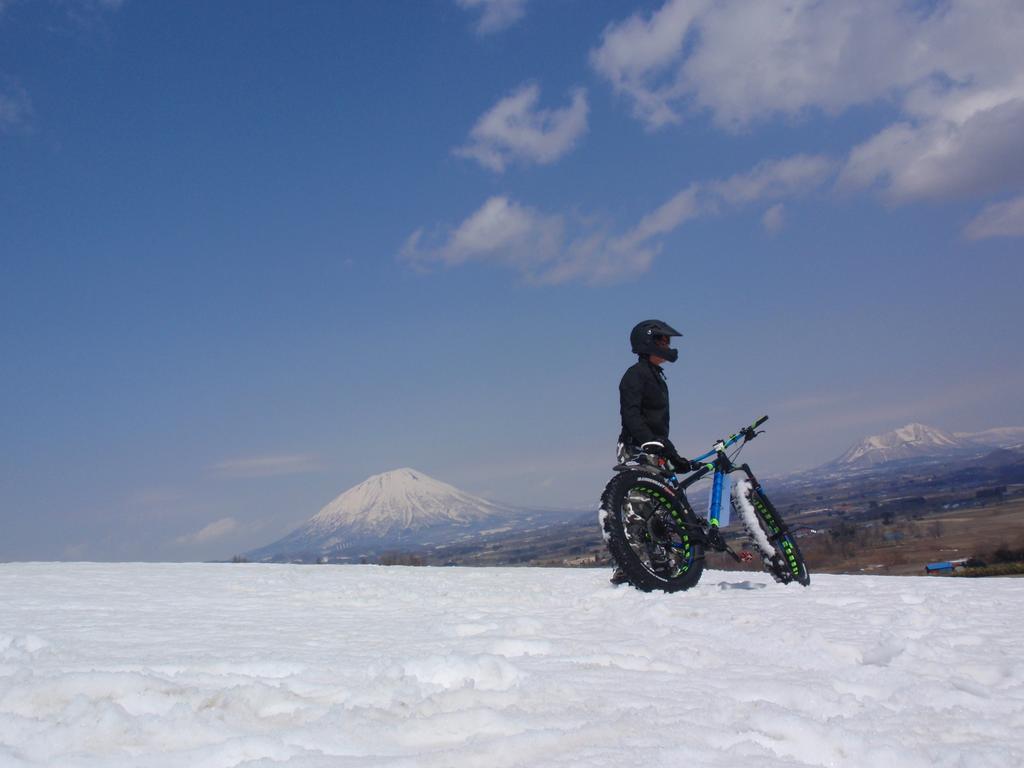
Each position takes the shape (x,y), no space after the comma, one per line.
(268,665)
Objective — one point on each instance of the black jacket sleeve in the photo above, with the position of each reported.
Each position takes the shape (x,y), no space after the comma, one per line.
(631,395)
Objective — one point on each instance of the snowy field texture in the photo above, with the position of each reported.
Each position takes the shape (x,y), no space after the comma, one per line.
(270,665)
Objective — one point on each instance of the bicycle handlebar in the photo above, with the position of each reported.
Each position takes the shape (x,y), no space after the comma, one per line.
(747,433)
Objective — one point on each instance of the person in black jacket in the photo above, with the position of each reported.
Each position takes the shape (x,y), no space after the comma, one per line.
(643,395)
(643,400)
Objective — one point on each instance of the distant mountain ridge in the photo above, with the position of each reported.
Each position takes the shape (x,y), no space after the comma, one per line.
(920,441)
(998,437)
(907,442)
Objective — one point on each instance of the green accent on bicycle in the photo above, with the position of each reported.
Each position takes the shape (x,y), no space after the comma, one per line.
(794,566)
(787,545)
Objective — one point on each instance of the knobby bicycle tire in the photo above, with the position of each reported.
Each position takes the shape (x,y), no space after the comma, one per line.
(646,525)
(779,550)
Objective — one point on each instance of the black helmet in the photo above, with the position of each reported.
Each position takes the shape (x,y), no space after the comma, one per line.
(644,339)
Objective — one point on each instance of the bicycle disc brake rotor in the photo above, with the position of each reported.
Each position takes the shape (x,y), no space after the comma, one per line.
(647,535)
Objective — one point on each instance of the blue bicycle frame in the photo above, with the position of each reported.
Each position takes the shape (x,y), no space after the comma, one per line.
(721,466)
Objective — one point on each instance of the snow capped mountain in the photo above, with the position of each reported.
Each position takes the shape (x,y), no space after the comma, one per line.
(908,442)
(400,509)
(402,499)
(919,441)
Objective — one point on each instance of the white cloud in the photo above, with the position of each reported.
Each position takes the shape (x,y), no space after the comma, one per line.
(15,106)
(757,60)
(1004,219)
(636,54)
(267,466)
(594,258)
(953,70)
(939,158)
(666,217)
(502,232)
(769,180)
(215,530)
(515,129)
(554,248)
(495,15)
(775,179)
(774,219)
(543,248)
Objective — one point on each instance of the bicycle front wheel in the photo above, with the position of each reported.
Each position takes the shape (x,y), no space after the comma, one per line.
(779,551)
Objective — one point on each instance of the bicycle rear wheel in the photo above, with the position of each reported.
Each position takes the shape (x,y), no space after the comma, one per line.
(779,550)
(648,529)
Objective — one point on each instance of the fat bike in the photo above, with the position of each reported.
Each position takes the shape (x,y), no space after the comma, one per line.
(659,542)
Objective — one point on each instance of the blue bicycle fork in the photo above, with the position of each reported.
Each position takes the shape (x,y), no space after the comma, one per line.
(718,485)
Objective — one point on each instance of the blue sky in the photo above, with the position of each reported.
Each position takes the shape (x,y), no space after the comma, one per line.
(251,253)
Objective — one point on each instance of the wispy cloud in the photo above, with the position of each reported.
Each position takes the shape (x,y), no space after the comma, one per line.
(928,407)
(953,70)
(215,530)
(87,16)
(495,15)
(1004,219)
(16,109)
(15,105)
(501,231)
(681,207)
(516,129)
(267,466)
(774,219)
(543,248)
(775,179)
(769,180)
(551,248)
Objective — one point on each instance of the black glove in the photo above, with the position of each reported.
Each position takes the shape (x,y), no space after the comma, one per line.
(681,464)
(667,451)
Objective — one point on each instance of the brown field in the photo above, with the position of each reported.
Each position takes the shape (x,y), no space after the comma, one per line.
(938,536)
